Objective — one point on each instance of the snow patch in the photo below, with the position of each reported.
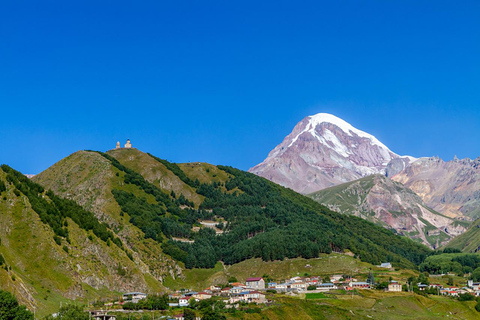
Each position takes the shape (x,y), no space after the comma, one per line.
(315,120)
(346,127)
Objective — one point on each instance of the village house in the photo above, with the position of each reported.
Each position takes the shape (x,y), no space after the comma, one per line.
(248,297)
(238,284)
(255,296)
(282,287)
(133,296)
(386,265)
(299,286)
(359,285)
(394,286)
(255,283)
(452,291)
(101,315)
(422,286)
(202,296)
(474,285)
(312,283)
(214,288)
(326,286)
(335,278)
(225,291)
(183,301)
(235,290)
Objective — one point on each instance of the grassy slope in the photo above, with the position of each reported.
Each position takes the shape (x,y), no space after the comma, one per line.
(346,202)
(155,172)
(368,304)
(88,178)
(204,172)
(468,241)
(46,275)
(199,279)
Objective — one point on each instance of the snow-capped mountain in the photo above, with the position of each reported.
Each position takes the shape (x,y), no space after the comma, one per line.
(324,150)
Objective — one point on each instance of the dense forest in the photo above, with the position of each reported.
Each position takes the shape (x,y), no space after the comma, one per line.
(452,261)
(260,219)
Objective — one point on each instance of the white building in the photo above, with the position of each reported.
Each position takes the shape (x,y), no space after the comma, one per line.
(255,283)
(133,296)
(394,286)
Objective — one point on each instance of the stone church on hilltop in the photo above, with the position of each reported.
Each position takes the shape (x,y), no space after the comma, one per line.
(128,145)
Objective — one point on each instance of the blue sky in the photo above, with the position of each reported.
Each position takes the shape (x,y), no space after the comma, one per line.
(225,81)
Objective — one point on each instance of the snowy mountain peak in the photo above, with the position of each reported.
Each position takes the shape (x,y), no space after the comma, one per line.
(324,150)
(346,127)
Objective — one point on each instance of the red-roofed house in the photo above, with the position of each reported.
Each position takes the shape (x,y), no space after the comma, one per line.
(202,296)
(255,283)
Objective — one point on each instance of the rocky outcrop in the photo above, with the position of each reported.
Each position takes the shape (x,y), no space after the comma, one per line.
(392,205)
(452,187)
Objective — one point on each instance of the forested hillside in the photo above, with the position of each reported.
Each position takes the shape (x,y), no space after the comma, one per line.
(254,217)
(258,219)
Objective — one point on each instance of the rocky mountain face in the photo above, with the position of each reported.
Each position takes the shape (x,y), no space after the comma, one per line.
(323,151)
(392,205)
(469,241)
(452,187)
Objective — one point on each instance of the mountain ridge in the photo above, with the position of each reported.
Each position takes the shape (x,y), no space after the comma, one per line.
(388,203)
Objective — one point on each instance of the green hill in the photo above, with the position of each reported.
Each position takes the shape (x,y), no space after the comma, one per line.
(55,250)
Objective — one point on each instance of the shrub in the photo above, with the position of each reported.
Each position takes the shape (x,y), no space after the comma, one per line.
(466,297)
(10,309)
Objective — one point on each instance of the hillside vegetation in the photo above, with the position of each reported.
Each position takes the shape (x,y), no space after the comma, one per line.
(260,219)
(53,250)
(368,304)
(255,218)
